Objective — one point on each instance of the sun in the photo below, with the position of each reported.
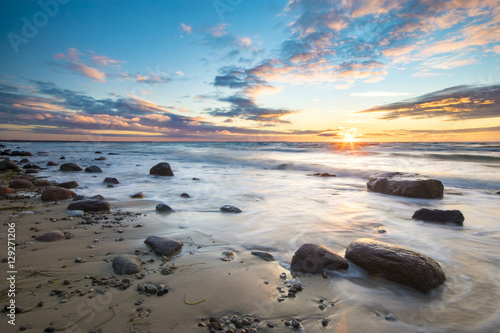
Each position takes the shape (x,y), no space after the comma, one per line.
(348,137)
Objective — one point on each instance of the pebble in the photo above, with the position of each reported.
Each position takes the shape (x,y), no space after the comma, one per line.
(283,276)
(228,255)
(50,329)
(79,260)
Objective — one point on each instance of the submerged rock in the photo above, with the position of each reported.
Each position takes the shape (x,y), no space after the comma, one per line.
(56,193)
(138,195)
(90,205)
(439,216)
(127,264)
(324,174)
(164,208)
(164,246)
(31,166)
(285,166)
(396,263)
(110,180)
(263,255)
(52,163)
(230,209)
(93,169)
(51,236)
(70,167)
(315,259)
(161,169)
(406,184)
(21,183)
(185,195)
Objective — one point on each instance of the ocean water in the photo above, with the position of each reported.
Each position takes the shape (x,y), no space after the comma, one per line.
(284,208)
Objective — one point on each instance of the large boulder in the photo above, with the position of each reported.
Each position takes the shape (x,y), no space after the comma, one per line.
(56,193)
(70,167)
(127,264)
(51,236)
(396,263)
(406,184)
(164,246)
(90,205)
(8,165)
(21,183)
(439,216)
(93,169)
(315,259)
(161,169)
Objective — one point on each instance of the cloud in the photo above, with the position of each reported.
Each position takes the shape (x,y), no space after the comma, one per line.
(186,28)
(454,103)
(380,94)
(72,62)
(218,31)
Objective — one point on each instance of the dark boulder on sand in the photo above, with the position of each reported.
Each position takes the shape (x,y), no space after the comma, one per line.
(90,205)
(315,259)
(20,184)
(70,167)
(161,169)
(51,236)
(396,263)
(439,216)
(406,184)
(8,165)
(71,184)
(230,209)
(56,193)
(110,180)
(93,169)
(163,246)
(263,255)
(127,264)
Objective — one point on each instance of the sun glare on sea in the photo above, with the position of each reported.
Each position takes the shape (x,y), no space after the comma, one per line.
(348,137)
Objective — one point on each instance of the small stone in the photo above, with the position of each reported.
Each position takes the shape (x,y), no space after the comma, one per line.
(283,276)
(50,329)
(230,209)
(185,195)
(325,322)
(138,195)
(164,208)
(228,256)
(79,260)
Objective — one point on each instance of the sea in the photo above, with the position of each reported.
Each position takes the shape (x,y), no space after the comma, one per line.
(284,206)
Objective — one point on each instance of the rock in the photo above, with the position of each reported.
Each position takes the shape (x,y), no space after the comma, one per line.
(62,158)
(396,263)
(25,160)
(315,259)
(41,182)
(70,167)
(163,208)
(93,169)
(102,158)
(439,216)
(324,174)
(51,163)
(9,165)
(31,166)
(285,166)
(164,246)
(109,180)
(150,289)
(90,205)
(161,169)
(406,184)
(51,236)
(56,193)
(21,153)
(185,195)
(71,184)
(21,183)
(139,195)
(496,193)
(98,152)
(5,190)
(31,171)
(127,264)
(263,255)
(228,256)
(230,209)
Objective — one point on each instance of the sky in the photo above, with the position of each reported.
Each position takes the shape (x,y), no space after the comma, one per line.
(243,70)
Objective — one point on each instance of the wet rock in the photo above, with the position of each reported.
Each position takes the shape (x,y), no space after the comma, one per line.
(138,195)
(5,190)
(285,166)
(51,236)
(21,153)
(150,289)
(496,193)
(127,264)
(228,256)
(406,184)
(315,259)
(110,180)
(164,246)
(324,174)
(56,193)
(8,165)
(263,255)
(164,208)
(41,182)
(93,169)
(439,216)
(230,209)
(185,195)
(24,160)
(396,263)
(31,171)
(102,158)
(69,185)
(70,167)
(51,163)
(21,184)
(90,205)
(31,166)
(161,169)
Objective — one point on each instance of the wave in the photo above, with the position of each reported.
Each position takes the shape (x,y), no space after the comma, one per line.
(452,157)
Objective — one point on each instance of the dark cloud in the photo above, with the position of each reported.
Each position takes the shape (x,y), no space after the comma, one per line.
(454,103)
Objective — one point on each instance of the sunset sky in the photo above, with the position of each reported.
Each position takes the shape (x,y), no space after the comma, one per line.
(267,70)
